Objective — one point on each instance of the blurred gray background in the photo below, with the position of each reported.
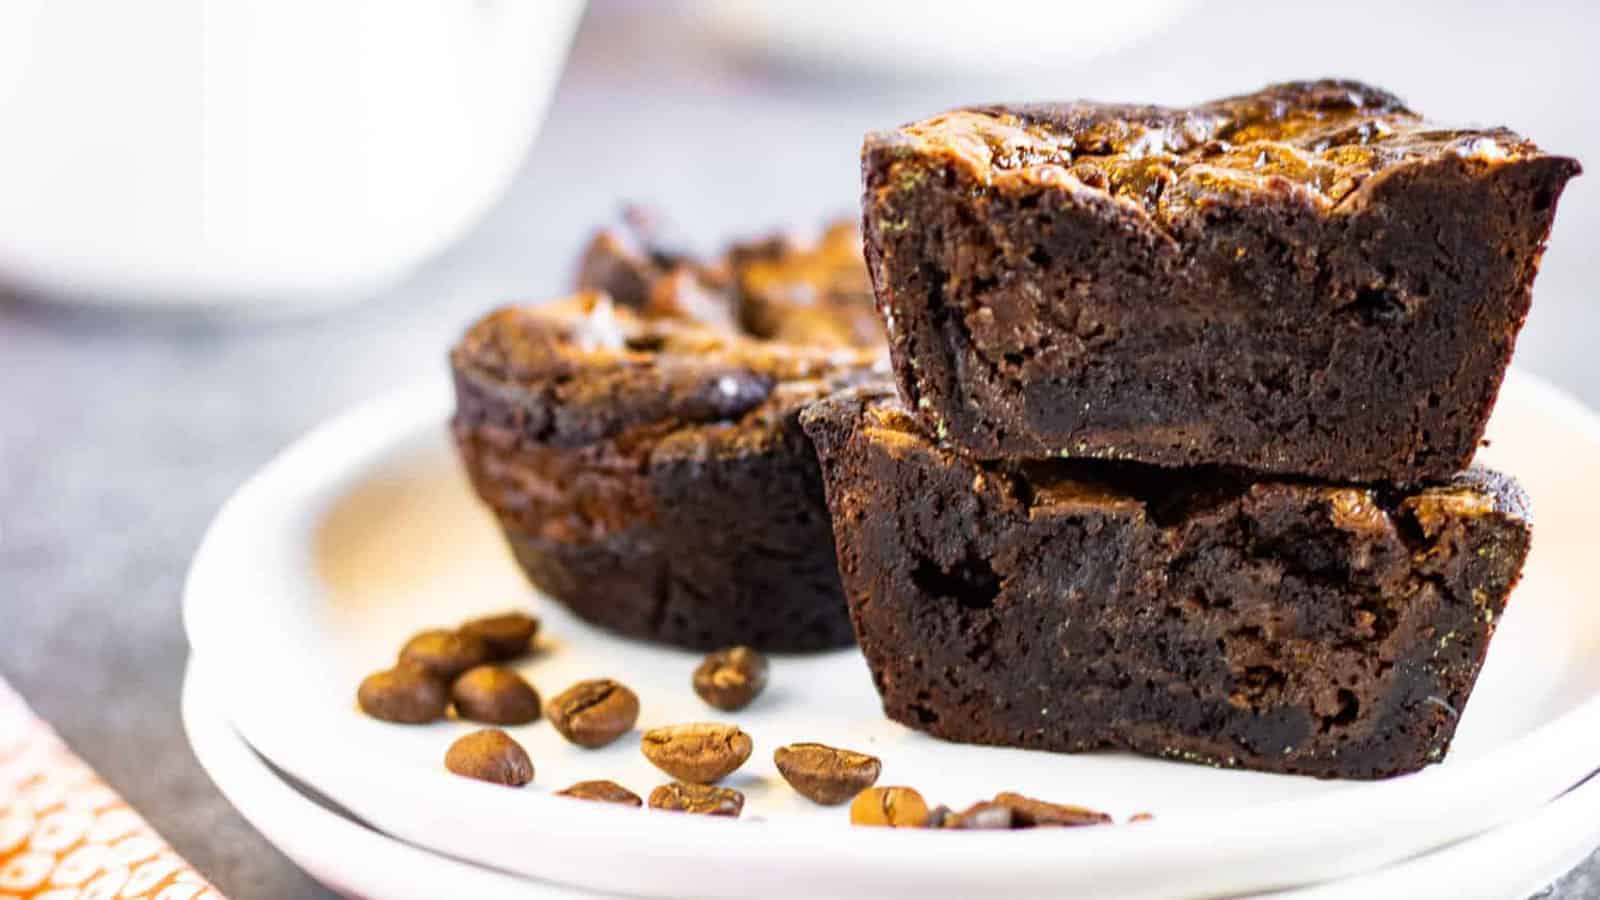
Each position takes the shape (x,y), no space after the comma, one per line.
(121,434)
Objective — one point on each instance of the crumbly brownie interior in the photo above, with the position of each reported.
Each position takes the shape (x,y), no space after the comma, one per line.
(1310,280)
(650,473)
(1203,615)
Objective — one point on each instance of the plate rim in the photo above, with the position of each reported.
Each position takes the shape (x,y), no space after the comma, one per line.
(1429,809)
(308,830)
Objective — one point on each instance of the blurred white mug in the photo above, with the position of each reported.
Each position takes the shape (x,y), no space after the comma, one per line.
(277,153)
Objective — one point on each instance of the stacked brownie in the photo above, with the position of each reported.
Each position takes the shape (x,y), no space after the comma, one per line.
(1180,456)
(639,443)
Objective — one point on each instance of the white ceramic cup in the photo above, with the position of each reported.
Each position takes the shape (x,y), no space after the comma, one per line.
(258,153)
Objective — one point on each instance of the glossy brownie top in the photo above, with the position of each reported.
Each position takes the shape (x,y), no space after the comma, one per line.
(1165,497)
(1326,136)
(586,368)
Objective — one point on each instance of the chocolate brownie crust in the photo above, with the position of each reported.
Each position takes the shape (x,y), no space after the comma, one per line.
(651,475)
(1309,280)
(1202,615)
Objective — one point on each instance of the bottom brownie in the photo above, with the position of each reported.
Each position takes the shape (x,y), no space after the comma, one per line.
(1195,614)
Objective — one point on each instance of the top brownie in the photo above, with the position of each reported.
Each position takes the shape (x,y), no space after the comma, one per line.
(1309,280)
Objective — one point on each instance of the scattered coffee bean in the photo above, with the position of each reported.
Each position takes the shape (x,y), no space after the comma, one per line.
(984,816)
(699,752)
(894,807)
(494,696)
(406,694)
(594,713)
(508,635)
(729,679)
(1026,812)
(602,791)
(824,774)
(445,653)
(490,755)
(940,816)
(697,798)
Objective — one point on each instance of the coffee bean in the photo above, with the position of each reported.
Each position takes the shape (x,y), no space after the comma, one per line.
(445,653)
(508,635)
(1026,812)
(697,798)
(602,791)
(699,752)
(594,713)
(895,807)
(407,694)
(494,696)
(729,679)
(983,816)
(490,755)
(940,816)
(824,774)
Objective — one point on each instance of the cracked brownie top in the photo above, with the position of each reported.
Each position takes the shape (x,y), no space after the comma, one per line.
(585,368)
(1325,136)
(1169,497)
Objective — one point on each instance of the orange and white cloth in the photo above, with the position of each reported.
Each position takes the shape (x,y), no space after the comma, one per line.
(65,835)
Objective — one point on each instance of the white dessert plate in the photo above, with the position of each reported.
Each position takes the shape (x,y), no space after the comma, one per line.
(1510,862)
(365,531)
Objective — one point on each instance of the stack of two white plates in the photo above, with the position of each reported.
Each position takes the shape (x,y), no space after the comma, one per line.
(365,531)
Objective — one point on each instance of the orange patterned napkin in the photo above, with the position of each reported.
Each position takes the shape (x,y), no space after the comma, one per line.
(65,835)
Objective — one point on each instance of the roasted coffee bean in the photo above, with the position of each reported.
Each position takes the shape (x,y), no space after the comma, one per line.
(824,774)
(699,752)
(895,807)
(508,635)
(406,693)
(1026,812)
(984,816)
(697,798)
(490,755)
(729,679)
(494,696)
(940,816)
(445,653)
(603,792)
(594,713)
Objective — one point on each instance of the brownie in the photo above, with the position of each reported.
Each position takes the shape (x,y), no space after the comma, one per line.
(650,472)
(780,288)
(815,293)
(644,268)
(1308,280)
(1200,614)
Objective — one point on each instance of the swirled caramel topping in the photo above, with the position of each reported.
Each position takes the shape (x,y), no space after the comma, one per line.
(1324,136)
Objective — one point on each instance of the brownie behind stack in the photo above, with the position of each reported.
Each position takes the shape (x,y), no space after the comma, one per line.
(1187,403)
(639,442)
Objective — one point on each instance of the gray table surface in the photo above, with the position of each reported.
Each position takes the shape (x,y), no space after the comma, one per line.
(121,435)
